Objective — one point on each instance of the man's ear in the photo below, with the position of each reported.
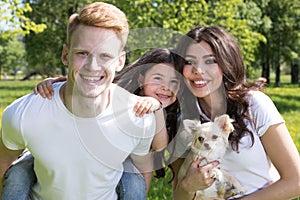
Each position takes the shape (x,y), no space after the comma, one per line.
(121,61)
(64,55)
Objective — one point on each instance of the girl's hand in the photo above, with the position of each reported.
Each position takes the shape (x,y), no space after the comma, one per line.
(45,88)
(146,105)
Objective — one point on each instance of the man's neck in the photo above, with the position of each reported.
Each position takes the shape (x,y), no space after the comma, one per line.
(85,107)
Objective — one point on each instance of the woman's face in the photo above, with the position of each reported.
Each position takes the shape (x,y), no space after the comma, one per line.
(161,82)
(202,74)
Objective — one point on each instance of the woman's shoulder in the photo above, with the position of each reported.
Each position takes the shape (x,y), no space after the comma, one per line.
(258,97)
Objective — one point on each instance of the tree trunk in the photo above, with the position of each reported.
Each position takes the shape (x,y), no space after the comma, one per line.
(277,74)
(265,64)
(295,72)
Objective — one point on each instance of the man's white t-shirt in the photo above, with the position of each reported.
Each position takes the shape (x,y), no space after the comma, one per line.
(250,166)
(77,158)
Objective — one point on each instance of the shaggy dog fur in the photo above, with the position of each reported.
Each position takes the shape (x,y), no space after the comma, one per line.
(210,141)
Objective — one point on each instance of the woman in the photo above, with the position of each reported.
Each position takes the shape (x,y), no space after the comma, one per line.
(262,155)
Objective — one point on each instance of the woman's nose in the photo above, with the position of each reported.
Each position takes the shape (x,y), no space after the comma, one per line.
(198,70)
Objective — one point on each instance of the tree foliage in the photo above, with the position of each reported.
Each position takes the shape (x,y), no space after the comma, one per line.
(267,30)
(12,16)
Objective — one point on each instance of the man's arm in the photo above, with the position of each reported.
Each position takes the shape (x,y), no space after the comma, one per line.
(7,156)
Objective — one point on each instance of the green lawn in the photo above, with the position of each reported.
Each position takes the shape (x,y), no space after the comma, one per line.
(286,98)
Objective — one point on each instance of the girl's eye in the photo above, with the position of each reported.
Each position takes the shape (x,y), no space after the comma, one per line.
(175,81)
(157,78)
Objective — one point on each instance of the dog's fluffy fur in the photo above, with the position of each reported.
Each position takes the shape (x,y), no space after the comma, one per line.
(210,142)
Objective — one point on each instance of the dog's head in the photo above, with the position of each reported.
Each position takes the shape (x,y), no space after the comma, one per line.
(210,138)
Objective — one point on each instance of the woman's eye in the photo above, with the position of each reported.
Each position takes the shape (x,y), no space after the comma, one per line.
(211,61)
(189,62)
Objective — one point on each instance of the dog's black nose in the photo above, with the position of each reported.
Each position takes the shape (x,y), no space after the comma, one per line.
(206,145)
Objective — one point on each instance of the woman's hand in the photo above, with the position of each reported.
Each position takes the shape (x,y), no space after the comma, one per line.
(198,178)
(146,105)
(45,88)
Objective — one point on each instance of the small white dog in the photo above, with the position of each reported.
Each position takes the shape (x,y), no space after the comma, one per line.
(210,141)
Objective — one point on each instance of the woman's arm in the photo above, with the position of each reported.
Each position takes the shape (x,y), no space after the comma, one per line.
(283,153)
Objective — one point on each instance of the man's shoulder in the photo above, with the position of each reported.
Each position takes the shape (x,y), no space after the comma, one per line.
(121,96)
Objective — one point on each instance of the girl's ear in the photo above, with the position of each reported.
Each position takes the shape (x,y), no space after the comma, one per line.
(64,54)
(141,80)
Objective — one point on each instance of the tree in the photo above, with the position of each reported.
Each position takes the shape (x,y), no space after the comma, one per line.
(152,23)
(282,36)
(12,15)
(43,50)
(12,55)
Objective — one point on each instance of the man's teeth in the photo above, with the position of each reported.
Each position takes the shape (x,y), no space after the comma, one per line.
(91,78)
(200,82)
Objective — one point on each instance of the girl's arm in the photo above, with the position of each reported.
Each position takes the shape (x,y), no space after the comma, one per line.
(45,88)
(283,153)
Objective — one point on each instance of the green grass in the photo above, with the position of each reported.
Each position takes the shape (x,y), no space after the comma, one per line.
(286,98)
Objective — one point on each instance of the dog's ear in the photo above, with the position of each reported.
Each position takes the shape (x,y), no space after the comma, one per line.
(191,125)
(225,123)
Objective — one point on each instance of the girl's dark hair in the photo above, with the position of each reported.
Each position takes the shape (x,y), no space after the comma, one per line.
(230,61)
(128,79)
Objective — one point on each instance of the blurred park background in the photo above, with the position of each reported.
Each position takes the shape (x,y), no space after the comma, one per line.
(32,33)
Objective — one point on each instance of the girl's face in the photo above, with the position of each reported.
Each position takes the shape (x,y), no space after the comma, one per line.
(202,74)
(161,82)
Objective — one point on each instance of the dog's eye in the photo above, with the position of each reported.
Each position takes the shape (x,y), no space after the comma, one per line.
(214,137)
(201,139)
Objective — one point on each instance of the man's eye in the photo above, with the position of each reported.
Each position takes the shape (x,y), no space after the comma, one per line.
(82,53)
(105,55)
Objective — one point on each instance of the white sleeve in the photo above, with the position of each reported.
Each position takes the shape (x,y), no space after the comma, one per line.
(149,131)
(11,124)
(263,112)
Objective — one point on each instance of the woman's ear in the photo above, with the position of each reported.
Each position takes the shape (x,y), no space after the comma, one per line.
(141,81)
(64,55)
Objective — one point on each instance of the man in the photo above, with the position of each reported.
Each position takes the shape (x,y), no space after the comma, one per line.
(81,137)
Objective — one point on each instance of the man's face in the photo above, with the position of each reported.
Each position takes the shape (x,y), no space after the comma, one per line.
(93,57)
